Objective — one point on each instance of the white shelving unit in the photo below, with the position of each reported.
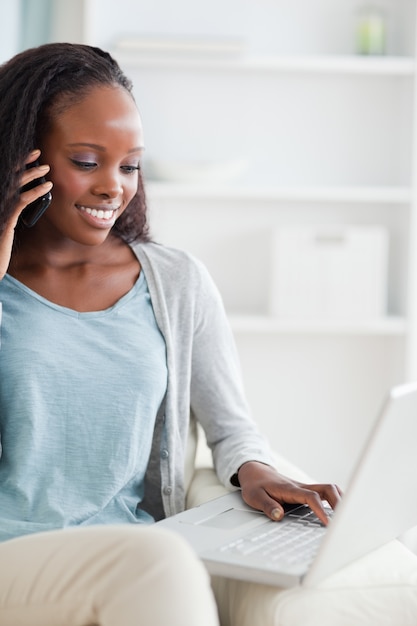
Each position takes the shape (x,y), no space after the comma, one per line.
(393,326)
(359,195)
(330,137)
(192,201)
(385,66)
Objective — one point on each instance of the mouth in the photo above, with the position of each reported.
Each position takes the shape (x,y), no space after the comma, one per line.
(101,213)
(102,216)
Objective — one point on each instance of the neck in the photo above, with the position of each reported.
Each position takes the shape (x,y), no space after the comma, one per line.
(33,248)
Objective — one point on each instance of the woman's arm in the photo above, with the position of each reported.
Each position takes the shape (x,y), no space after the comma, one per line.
(219,403)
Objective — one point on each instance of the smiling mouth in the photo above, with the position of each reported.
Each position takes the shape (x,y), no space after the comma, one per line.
(101,214)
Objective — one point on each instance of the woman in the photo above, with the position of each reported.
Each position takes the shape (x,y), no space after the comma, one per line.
(109,342)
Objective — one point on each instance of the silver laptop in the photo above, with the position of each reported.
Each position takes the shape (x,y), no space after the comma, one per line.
(378,505)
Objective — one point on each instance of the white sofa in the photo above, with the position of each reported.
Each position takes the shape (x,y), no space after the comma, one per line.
(378,590)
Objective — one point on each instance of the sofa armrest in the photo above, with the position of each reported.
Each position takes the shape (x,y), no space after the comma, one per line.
(204,484)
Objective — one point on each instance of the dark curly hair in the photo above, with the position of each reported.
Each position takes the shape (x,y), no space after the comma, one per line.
(35,86)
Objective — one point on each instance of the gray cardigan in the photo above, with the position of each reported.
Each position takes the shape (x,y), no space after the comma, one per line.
(204,379)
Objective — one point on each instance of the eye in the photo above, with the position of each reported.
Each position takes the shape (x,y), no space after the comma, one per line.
(84,165)
(130,169)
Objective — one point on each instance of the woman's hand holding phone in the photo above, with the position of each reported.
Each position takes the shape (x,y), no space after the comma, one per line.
(34,183)
(29,193)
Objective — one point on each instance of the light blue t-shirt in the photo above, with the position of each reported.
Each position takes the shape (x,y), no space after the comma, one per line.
(79,393)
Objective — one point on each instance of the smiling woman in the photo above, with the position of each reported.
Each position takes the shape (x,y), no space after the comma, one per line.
(109,343)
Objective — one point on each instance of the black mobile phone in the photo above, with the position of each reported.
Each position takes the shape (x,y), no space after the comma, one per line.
(34,210)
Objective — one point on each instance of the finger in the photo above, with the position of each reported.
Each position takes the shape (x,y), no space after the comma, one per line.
(261,501)
(304,494)
(33,194)
(314,501)
(32,174)
(35,154)
(331,493)
(31,158)
(275,511)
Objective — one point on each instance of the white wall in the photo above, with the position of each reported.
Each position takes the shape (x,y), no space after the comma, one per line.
(10,25)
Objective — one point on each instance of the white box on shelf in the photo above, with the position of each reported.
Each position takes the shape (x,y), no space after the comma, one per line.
(324,272)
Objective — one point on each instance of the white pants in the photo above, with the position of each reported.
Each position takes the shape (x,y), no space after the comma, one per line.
(103,576)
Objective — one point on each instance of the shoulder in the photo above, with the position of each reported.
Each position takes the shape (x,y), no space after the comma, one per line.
(168,263)
(177,277)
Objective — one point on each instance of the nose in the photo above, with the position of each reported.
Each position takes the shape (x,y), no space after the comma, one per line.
(108,184)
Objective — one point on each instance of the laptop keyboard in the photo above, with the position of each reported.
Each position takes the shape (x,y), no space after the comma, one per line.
(293,542)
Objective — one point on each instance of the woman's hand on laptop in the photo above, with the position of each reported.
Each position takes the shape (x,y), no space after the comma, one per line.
(264,489)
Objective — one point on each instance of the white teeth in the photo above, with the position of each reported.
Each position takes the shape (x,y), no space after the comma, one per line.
(102,215)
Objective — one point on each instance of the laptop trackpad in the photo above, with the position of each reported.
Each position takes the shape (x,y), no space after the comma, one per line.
(235,518)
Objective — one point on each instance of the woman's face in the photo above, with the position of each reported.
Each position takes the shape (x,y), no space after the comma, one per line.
(93,149)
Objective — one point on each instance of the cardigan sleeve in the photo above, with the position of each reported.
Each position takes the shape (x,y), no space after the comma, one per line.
(204,376)
(217,394)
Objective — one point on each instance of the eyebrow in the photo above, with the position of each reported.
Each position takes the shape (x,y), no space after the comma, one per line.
(95,146)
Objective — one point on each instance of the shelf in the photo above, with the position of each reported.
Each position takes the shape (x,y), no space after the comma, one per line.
(253,324)
(349,64)
(377,195)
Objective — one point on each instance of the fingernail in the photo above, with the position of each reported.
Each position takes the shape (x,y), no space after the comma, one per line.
(277,514)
